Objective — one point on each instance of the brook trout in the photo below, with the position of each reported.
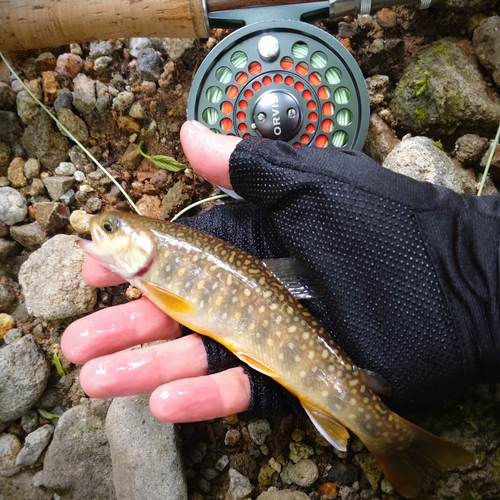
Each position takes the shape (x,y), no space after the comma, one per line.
(218,290)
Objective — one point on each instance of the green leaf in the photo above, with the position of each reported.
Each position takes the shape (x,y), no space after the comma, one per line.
(164,162)
(59,367)
(47,415)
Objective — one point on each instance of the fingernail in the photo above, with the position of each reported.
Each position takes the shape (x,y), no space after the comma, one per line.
(199,126)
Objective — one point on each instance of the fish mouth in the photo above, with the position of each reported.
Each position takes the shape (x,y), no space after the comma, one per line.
(145,269)
(89,247)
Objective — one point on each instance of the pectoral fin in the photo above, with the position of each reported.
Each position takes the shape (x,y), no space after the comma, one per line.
(167,301)
(334,432)
(257,365)
(376,383)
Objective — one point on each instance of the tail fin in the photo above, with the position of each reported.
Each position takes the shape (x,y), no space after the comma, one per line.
(407,468)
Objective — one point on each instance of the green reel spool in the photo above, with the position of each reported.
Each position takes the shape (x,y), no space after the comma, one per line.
(284,80)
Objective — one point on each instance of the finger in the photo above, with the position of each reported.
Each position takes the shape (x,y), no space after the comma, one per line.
(202,398)
(143,370)
(116,328)
(95,274)
(208,153)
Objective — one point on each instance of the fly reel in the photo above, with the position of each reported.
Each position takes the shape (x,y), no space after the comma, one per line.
(285,80)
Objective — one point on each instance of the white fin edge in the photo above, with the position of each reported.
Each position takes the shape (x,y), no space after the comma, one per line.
(336,444)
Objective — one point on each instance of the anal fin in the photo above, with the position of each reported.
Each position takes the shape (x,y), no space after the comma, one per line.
(257,365)
(334,432)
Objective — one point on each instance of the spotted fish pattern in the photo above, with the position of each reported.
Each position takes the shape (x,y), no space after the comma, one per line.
(220,291)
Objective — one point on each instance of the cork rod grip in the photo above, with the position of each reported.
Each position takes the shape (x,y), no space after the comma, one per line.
(29,24)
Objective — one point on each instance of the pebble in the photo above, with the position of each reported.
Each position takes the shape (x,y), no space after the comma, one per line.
(101,64)
(76,127)
(23,377)
(327,490)
(93,205)
(84,96)
(123,101)
(275,494)
(16,173)
(79,176)
(69,65)
(27,108)
(58,185)
(179,49)
(137,111)
(51,216)
(32,168)
(7,322)
(10,128)
(65,168)
(131,158)
(137,44)
(30,421)
(300,451)
(239,486)
(275,464)
(7,297)
(50,87)
(37,188)
(6,249)
(487,45)
(30,236)
(5,152)
(13,206)
(52,281)
(103,48)
(210,474)
(9,449)
(377,88)
(80,219)
(304,473)
(34,445)
(149,64)
(222,463)
(370,467)
(64,100)
(7,97)
(176,199)
(343,473)
(45,62)
(232,437)
(386,486)
(387,18)
(469,149)
(149,88)
(266,474)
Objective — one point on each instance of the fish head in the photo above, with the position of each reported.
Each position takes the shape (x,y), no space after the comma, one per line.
(121,243)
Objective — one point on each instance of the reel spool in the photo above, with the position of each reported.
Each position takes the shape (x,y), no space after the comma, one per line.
(284,80)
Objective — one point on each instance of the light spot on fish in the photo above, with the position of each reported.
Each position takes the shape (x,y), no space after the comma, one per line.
(297,358)
(201,305)
(253,271)
(302,374)
(278,319)
(273,306)
(325,394)
(281,356)
(181,271)
(234,300)
(201,284)
(310,354)
(166,253)
(167,269)
(218,302)
(268,293)
(331,368)
(251,326)
(262,281)
(289,310)
(366,400)
(354,382)
(229,279)
(353,401)
(195,258)
(391,418)
(292,329)
(247,292)
(265,323)
(362,388)
(325,353)
(262,309)
(237,315)
(214,286)
(270,342)
(305,335)
(250,309)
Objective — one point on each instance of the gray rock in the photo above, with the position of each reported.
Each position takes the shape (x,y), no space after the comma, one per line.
(9,449)
(29,421)
(486,43)
(21,487)
(6,249)
(137,44)
(259,430)
(7,97)
(103,48)
(303,473)
(222,463)
(239,486)
(300,451)
(78,460)
(370,467)
(420,159)
(176,199)
(30,236)
(84,97)
(65,168)
(57,186)
(41,141)
(12,335)
(149,64)
(469,149)
(34,445)
(52,281)
(343,473)
(93,205)
(103,97)
(123,101)
(7,297)
(442,89)
(13,206)
(79,176)
(102,63)
(377,88)
(27,107)
(179,49)
(232,437)
(23,377)
(275,494)
(37,188)
(5,152)
(10,128)
(64,100)
(74,124)
(145,452)
(32,168)
(68,197)
(137,111)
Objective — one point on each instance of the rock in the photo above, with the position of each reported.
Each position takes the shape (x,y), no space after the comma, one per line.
(7,297)
(37,188)
(45,62)
(24,373)
(167,75)
(16,173)
(180,49)
(387,18)
(136,45)
(6,249)
(149,64)
(176,199)
(239,486)
(266,474)
(442,89)
(420,159)
(21,487)
(32,168)
(232,437)
(377,88)
(65,168)
(84,97)
(4,229)
(13,206)
(149,206)
(343,473)
(128,124)
(41,141)
(78,460)
(131,158)
(29,421)
(57,186)
(101,64)
(10,128)
(74,124)
(103,48)
(162,179)
(27,108)
(486,45)
(7,322)
(123,101)
(370,467)
(7,97)
(51,216)
(222,463)
(9,449)
(303,473)
(149,88)
(52,281)
(300,451)
(64,99)
(5,152)
(274,494)
(137,111)
(259,430)
(50,87)
(469,149)
(145,452)
(80,219)
(34,445)
(69,65)
(12,335)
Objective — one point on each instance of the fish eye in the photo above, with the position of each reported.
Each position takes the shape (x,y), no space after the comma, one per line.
(109,225)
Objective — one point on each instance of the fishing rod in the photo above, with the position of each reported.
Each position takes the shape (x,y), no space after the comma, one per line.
(276,76)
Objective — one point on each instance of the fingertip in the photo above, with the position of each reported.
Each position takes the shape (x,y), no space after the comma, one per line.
(207,152)
(96,275)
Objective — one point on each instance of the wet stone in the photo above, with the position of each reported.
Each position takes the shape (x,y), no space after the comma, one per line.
(34,445)
(7,322)
(149,64)
(30,236)
(64,100)
(32,168)
(131,158)
(469,149)
(304,473)
(275,494)
(222,463)
(5,152)
(50,87)
(93,205)
(84,97)
(136,45)
(101,64)
(370,467)
(7,248)
(65,168)
(37,188)
(10,128)
(123,101)
(103,48)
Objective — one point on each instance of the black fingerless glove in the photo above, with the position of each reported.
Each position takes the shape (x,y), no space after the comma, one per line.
(411,270)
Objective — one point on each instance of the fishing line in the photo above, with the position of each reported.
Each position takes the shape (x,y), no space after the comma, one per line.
(490,159)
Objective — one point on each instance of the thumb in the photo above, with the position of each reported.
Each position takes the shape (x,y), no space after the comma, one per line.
(207,152)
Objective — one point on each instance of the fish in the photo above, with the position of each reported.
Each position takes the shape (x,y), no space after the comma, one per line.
(218,290)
